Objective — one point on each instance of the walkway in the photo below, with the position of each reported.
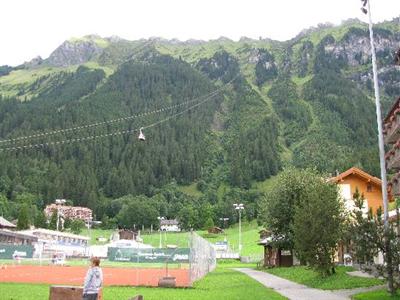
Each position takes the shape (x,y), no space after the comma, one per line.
(296,291)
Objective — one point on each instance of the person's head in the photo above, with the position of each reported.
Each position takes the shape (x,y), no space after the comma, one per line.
(95,261)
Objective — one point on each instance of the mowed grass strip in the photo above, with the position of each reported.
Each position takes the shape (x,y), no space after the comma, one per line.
(223,283)
(310,278)
(76,262)
(376,295)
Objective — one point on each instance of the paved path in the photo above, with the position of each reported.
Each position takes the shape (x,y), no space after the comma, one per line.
(297,291)
(290,289)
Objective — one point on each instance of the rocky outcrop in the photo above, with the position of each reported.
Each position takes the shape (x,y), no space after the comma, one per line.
(355,46)
(74,52)
(33,62)
(266,68)
(305,58)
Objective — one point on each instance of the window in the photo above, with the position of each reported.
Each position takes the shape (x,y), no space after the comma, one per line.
(369,187)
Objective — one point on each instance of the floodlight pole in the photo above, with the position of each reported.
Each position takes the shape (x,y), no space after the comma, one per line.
(381,153)
(379,121)
(239,208)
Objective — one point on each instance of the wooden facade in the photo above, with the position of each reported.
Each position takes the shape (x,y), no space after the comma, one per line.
(274,256)
(392,140)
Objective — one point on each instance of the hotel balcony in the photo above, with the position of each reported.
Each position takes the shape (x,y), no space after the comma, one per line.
(393,157)
(391,124)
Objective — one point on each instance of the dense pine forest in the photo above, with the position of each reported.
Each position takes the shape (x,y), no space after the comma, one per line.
(221,119)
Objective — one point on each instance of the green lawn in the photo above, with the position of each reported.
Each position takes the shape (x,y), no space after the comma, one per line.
(250,237)
(181,239)
(223,283)
(308,277)
(376,295)
(96,233)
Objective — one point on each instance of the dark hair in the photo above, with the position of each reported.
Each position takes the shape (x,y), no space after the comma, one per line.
(96,261)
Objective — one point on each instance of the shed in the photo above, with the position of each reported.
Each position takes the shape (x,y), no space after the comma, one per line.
(275,256)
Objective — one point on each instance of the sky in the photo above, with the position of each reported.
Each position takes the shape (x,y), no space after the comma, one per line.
(30,28)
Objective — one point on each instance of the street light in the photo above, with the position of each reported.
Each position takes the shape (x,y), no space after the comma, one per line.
(239,207)
(159,219)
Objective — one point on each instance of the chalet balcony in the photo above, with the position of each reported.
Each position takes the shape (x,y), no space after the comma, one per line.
(392,127)
(393,157)
(395,185)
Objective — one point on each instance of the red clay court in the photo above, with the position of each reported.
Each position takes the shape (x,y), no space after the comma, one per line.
(75,275)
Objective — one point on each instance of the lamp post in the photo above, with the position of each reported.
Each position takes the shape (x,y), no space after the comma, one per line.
(239,207)
(366,9)
(160,219)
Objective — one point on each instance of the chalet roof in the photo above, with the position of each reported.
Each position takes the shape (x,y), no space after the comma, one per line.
(395,106)
(6,224)
(360,173)
(270,240)
(169,222)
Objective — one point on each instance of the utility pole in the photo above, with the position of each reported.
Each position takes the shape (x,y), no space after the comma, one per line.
(366,9)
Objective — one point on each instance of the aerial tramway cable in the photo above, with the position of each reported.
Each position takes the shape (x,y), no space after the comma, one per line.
(207,98)
(82,127)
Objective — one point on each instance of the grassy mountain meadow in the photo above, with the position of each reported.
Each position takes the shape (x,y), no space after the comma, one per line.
(306,102)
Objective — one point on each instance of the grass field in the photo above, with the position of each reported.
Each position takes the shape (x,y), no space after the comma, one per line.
(376,295)
(250,237)
(223,283)
(180,239)
(340,280)
(96,233)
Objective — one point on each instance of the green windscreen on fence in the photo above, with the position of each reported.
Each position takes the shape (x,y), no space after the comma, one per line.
(15,251)
(153,255)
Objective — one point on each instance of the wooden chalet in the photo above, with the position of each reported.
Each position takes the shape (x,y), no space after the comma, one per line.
(356,179)
(392,140)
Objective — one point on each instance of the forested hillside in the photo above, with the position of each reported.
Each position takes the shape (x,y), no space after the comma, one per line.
(218,116)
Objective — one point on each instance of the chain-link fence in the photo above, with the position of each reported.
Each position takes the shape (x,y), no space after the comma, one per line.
(202,257)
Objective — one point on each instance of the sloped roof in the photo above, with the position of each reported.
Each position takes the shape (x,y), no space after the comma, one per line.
(358,172)
(6,232)
(169,222)
(5,223)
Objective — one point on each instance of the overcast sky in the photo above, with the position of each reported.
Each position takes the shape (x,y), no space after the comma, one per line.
(36,27)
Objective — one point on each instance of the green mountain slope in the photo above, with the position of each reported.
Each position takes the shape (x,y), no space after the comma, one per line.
(305,102)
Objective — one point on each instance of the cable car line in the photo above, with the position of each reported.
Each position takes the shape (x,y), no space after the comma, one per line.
(160,110)
(93,137)
(137,50)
